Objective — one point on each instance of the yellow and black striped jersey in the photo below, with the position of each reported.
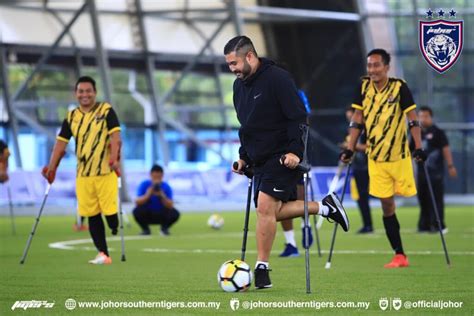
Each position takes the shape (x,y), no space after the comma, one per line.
(91,131)
(385,118)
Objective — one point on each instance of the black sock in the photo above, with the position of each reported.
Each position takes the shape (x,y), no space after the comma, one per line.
(392,229)
(97,231)
(113,222)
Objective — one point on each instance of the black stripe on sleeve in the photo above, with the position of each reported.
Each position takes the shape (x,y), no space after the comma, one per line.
(112,120)
(406,98)
(65,131)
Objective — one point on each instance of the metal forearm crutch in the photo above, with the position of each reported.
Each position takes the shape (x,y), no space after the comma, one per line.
(118,172)
(328,263)
(10,203)
(35,225)
(33,230)
(248,172)
(246,221)
(305,168)
(122,238)
(316,230)
(332,188)
(435,208)
(305,165)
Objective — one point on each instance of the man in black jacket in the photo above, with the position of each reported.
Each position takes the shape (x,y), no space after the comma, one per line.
(271,114)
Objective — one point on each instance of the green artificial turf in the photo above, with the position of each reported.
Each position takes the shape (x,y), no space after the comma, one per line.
(183,268)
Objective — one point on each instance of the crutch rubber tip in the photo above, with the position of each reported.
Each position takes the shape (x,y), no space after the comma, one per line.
(328,265)
(123,259)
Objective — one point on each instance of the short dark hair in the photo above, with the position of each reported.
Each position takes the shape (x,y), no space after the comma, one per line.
(240,44)
(156,168)
(426,109)
(382,52)
(350,108)
(85,79)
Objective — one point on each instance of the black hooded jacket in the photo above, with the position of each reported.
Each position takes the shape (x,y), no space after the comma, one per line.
(270,113)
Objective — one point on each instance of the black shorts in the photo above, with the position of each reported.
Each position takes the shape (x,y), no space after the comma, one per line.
(276,180)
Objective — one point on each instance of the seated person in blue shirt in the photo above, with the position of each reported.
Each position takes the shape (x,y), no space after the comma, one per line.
(154,203)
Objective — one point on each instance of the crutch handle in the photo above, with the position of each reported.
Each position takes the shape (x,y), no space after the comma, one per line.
(118,173)
(50,175)
(113,163)
(302,166)
(115,168)
(248,171)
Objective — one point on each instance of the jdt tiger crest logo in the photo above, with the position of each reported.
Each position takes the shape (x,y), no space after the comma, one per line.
(441,41)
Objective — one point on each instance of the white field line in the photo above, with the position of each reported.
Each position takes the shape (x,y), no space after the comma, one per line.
(73,245)
(341,252)
(70,244)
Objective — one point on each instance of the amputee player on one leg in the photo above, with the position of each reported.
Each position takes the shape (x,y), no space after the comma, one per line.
(96,130)
(383,105)
(270,113)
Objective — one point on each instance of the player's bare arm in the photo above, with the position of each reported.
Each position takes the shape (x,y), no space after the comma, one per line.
(415,132)
(355,128)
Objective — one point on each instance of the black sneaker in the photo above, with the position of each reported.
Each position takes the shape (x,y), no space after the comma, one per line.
(336,210)
(262,277)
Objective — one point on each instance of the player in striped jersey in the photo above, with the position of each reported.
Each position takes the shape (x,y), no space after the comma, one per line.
(96,130)
(382,105)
